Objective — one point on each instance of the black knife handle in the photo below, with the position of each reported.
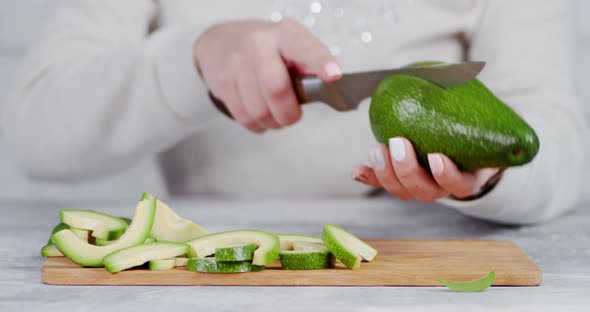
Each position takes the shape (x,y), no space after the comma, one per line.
(306,88)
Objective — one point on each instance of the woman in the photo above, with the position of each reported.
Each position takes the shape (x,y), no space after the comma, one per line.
(109,82)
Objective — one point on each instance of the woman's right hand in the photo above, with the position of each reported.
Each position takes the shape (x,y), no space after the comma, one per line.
(246,64)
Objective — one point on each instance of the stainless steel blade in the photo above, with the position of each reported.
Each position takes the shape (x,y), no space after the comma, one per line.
(348,92)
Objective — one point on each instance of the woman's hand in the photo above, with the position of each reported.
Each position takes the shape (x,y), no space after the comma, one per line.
(246,64)
(397,171)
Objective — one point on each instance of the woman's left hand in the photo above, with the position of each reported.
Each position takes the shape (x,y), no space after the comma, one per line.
(397,170)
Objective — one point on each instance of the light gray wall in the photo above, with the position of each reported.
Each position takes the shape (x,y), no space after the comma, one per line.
(19,20)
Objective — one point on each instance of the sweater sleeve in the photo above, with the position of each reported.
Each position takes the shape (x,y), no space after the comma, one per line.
(527,46)
(99,91)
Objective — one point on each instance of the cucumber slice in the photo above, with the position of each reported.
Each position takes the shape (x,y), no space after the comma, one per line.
(167,264)
(346,247)
(235,253)
(210,265)
(50,250)
(162,264)
(170,227)
(137,255)
(91,256)
(287,240)
(306,256)
(267,252)
(102,225)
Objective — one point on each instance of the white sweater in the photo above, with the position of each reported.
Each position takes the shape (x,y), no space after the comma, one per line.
(110,82)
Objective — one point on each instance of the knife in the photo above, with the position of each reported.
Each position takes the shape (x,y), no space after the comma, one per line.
(347,93)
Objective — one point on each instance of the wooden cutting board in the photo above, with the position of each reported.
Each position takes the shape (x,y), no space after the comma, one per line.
(399,263)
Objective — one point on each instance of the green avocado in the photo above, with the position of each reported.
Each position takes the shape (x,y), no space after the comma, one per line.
(466,122)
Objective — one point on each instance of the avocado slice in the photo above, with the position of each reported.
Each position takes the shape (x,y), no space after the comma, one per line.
(210,265)
(89,255)
(267,252)
(467,122)
(346,247)
(133,256)
(170,227)
(287,240)
(306,256)
(102,242)
(102,225)
(167,264)
(162,264)
(49,250)
(235,253)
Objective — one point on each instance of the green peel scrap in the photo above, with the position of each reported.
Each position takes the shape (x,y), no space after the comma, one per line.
(476,285)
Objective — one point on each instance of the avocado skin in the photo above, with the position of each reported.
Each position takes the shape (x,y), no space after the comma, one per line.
(465,122)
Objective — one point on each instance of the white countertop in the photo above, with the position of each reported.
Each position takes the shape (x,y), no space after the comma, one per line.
(561,248)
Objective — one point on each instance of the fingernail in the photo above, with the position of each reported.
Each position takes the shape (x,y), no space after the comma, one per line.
(397,148)
(437,166)
(377,158)
(332,70)
(359,177)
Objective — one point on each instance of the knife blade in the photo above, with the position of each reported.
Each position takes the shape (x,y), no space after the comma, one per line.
(348,92)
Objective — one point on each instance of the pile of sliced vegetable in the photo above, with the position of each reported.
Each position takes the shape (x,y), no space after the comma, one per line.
(158,237)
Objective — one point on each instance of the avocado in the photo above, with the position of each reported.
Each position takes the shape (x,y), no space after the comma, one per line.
(466,122)
(87,255)
(346,247)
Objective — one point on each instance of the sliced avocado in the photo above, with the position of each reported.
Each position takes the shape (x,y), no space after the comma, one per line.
(288,239)
(133,256)
(102,225)
(103,242)
(235,253)
(162,264)
(50,250)
(268,244)
(170,227)
(346,247)
(210,265)
(180,261)
(92,256)
(167,264)
(466,122)
(306,256)
(305,246)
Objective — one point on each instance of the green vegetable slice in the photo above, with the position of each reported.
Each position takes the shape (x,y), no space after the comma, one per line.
(476,285)
(306,256)
(210,265)
(287,240)
(88,255)
(267,252)
(346,247)
(162,264)
(102,225)
(137,255)
(50,250)
(170,227)
(235,253)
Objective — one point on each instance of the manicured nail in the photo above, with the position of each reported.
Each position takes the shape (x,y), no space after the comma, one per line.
(397,148)
(437,167)
(377,158)
(359,177)
(332,70)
